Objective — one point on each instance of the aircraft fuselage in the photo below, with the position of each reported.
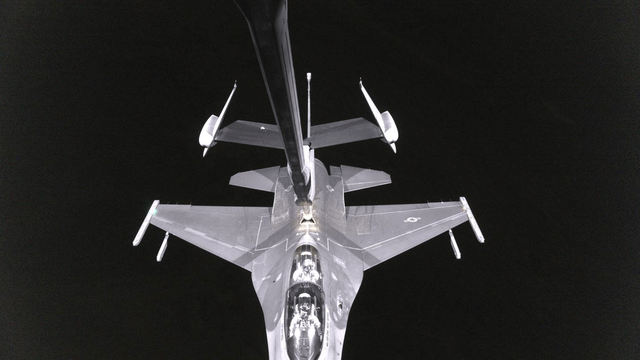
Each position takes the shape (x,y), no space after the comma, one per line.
(306,313)
(308,252)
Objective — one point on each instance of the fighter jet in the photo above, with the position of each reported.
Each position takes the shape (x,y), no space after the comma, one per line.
(308,252)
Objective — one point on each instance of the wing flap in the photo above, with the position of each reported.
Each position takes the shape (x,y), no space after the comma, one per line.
(385,231)
(228,232)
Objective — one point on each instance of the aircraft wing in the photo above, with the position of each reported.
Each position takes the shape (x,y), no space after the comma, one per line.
(228,232)
(384,231)
(343,132)
(251,133)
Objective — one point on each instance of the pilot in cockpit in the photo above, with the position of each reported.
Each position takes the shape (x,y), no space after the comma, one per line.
(313,319)
(304,316)
(295,321)
(306,272)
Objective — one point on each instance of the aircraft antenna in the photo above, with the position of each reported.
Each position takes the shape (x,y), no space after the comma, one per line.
(308,105)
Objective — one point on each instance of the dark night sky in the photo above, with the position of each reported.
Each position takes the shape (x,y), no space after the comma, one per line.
(529,110)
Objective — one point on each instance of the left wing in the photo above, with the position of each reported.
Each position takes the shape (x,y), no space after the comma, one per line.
(228,232)
(384,231)
(251,133)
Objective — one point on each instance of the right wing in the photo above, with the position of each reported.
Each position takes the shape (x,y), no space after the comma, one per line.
(384,231)
(343,132)
(231,233)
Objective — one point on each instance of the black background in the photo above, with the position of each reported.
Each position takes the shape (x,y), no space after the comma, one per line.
(529,110)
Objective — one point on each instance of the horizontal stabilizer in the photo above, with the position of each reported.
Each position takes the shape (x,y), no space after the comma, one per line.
(355,178)
(261,179)
(343,132)
(251,133)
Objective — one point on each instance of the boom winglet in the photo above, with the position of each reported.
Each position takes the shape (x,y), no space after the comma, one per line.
(208,133)
(385,121)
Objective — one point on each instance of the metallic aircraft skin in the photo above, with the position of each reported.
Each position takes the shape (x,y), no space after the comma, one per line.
(274,272)
(307,252)
(269,27)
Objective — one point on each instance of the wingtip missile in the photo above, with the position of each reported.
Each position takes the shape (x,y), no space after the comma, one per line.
(454,245)
(163,247)
(145,223)
(472,220)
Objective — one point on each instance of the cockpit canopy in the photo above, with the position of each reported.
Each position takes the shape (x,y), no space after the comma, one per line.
(305,310)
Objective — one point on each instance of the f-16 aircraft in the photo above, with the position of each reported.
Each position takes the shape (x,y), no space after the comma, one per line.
(307,253)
